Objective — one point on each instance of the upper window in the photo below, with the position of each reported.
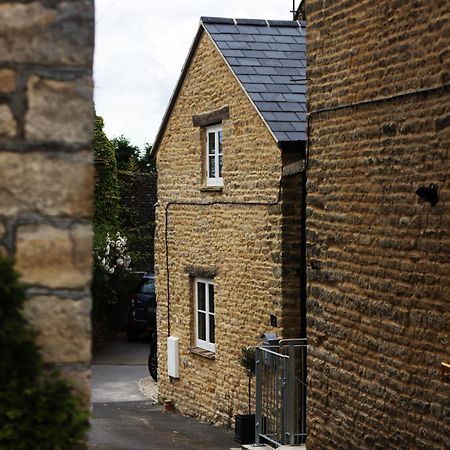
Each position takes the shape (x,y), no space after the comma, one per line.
(214,156)
(205,328)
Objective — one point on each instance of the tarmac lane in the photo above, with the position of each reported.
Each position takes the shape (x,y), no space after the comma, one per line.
(125,412)
(120,383)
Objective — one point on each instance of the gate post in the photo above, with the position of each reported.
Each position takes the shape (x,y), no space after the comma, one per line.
(290,404)
(258,412)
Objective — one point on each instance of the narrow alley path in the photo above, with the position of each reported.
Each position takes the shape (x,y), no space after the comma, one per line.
(124,418)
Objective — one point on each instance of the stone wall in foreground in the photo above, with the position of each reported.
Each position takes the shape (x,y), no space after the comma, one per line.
(378,257)
(46,174)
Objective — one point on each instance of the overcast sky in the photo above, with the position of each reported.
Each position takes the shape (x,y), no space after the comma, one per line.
(140,48)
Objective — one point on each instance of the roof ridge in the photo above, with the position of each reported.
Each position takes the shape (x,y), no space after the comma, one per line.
(213,20)
(255,22)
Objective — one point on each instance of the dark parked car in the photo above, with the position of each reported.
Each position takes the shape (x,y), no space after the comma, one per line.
(142,308)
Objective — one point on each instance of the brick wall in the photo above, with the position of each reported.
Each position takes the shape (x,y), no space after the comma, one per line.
(378,258)
(242,244)
(46,179)
(138,198)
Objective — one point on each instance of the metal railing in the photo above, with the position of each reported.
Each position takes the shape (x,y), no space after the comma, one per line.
(281,392)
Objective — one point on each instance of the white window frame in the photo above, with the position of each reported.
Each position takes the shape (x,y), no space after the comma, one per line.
(200,343)
(216,180)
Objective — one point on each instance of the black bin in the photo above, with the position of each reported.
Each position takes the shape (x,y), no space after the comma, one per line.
(244,431)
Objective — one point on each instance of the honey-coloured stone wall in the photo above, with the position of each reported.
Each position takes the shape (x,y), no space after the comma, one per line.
(46,171)
(359,50)
(378,256)
(238,239)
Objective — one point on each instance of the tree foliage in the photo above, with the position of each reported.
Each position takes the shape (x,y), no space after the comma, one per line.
(125,152)
(133,166)
(130,158)
(247,359)
(147,161)
(38,409)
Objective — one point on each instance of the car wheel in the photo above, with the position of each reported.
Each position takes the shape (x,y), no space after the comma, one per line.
(153,364)
(132,335)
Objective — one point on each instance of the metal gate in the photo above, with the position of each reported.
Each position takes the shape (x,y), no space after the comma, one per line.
(281,392)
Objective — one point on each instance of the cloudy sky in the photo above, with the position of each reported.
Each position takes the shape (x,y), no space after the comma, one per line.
(140,48)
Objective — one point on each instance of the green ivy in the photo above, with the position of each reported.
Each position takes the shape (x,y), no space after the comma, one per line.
(107,197)
(38,409)
(105,299)
(110,292)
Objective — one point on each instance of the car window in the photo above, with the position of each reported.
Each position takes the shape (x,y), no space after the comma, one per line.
(147,287)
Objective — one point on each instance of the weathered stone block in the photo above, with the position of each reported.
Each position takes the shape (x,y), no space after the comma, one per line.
(59,111)
(7,122)
(7,80)
(63,328)
(35,32)
(50,184)
(55,258)
(81,236)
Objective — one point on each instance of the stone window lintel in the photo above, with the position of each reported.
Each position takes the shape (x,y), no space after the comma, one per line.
(201,272)
(211,117)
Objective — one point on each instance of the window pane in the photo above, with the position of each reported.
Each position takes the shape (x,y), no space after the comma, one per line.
(220,141)
(201,296)
(212,329)
(201,326)
(212,167)
(211,298)
(211,143)
(220,166)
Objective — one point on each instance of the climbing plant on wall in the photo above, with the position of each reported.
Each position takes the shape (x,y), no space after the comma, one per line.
(106,201)
(110,288)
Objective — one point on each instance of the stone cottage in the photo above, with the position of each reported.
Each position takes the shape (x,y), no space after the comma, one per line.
(378,238)
(229,240)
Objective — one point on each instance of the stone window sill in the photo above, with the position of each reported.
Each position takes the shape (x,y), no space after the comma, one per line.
(211,189)
(204,353)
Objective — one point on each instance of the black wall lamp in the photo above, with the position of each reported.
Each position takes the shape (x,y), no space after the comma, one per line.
(429,194)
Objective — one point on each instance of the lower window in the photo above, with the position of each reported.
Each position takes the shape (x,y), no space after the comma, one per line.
(204,314)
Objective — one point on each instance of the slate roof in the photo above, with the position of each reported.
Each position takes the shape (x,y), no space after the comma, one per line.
(268,57)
